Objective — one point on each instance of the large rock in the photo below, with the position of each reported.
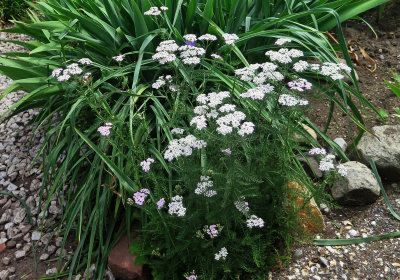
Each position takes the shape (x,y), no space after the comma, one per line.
(309,217)
(384,150)
(358,187)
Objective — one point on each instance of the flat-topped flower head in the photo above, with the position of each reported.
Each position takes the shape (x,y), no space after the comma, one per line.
(317,151)
(204,187)
(207,37)
(326,163)
(178,131)
(153,11)
(140,196)
(163,8)
(73,69)
(216,56)
(175,207)
(57,72)
(289,100)
(342,170)
(255,221)
(190,37)
(300,66)
(85,61)
(105,129)
(222,254)
(146,164)
(282,41)
(230,38)
(300,84)
(119,58)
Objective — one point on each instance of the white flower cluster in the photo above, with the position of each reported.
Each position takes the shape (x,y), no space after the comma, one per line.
(317,151)
(161,81)
(341,169)
(327,163)
(289,100)
(207,37)
(190,37)
(183,147)
(63,75)
(230,38)
(300,66)
(85,61)
(175,207)
(333,70)
(284,55)
(300,84)
(178,131)
(119,58)
(258,93)
(252,73)
(165,51)
(222,254)
(155,11)
(216,56)
(204,187)
(282,41)
(190,54)
(242,205)
(255,221)
(225,123)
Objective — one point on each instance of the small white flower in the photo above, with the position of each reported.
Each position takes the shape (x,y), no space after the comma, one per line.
(119,58)
(207,37)
(190,37)
(242,206)
(178,131)
(226,108)
(85,61)
(230,38)
(246,128)
(255,221)
(341,169)
(222,254)
(204,187)
(191,60)
(216,56)
(64,77)
(57,72)
(199,121)
(326,163)
(153,11)
(73,69)
(300,66)
(289,100)
(317,151)
(163,8)
(282,41)
(175,207)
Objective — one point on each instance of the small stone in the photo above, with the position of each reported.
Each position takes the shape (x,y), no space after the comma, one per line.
(3,240)
(297,253)
(11,187)
(25,229)
(51,271)
(11,244)
(12,270)
(18,245)
(4,274)
(36,235)
(20,254)
(8,225)
(44,257)
(51,249)
(27,238)
(59,241)
(6,261)
(19,216)
(353,233)
(323,261)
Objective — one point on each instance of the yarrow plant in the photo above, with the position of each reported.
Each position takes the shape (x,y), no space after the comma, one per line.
(227,164)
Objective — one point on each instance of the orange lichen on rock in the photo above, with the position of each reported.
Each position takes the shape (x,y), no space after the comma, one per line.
(309,217)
